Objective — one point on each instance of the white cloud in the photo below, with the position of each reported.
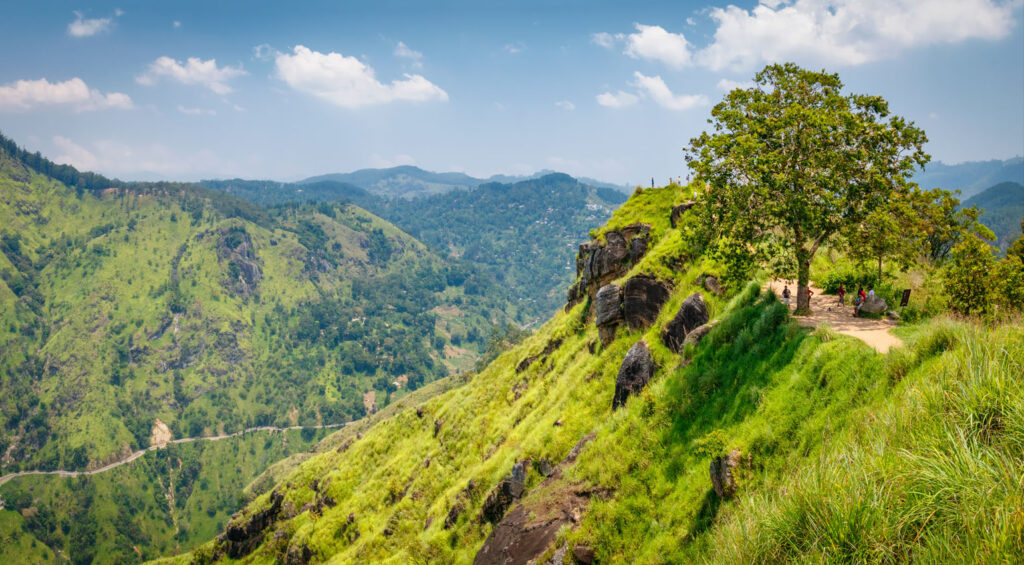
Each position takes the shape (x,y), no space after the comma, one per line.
(74,93)
(513,48)
(194,71)
(727,84)
(656,88)
(88,27)
(654,43)
(691,22)
(605,39)
(565,105)
(196,111)
(846,32)
(264,52)
(347,82)
(144,161)
(618,100)
(415,57)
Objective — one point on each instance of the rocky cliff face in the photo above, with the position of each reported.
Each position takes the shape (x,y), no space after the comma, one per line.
(236,252)
(598,264)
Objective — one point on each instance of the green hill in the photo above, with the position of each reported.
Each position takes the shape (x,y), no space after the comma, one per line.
(522,235)
(972,177)
(1003,209)
(822,449)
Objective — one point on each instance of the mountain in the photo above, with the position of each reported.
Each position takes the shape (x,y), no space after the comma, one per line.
(522,235)
(1003,210)
(971,177)
(134,313)
(405,181)
(663,418)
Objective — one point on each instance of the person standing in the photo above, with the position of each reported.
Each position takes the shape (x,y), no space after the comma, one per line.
(842,294)
(785,295)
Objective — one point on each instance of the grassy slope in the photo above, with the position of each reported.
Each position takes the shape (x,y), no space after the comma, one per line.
(852,456)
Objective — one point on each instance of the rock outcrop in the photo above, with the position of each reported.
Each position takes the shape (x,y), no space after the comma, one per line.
(599,264)
(235,248)
(507,491)
(692,314)
(635,372)
(722,474)
(642,299)
(698,334)
(874,305)
(678,211)
(711,284)
(245,533)
(608,311)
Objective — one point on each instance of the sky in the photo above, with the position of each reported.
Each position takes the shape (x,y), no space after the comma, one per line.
(611,90)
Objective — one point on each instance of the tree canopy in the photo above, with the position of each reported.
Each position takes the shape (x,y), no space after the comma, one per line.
(795,157)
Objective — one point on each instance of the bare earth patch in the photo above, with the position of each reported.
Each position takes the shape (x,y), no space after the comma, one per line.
(826,309)
(161,434)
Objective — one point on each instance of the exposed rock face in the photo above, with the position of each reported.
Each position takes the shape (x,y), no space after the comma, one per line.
(583,554)
(642,299)
(697,334)
(242,536)
(634,373)
(711,284)
(874,305)
(598,265)
(722,474)
(529,530)
(505,493)
(234,246)
(692,314)
(679,210)
(608,309)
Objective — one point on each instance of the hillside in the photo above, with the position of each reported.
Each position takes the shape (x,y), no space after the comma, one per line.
(972,177)
(820,449)
(521,236)
(1003,209)
(403,181)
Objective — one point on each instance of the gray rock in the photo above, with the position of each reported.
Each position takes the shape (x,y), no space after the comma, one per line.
(599,264)
(692,314)
(712,285)
(722,478)
(642,299)
(678,211)
(507,491)
(874,305)
(697,334)
(608,305)
(635,372)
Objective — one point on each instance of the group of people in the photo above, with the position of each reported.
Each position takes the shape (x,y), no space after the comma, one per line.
(857,302)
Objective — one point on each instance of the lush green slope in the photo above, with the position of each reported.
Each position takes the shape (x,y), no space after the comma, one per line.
(844,454)
(1003,206)
(520,237)
(133,304)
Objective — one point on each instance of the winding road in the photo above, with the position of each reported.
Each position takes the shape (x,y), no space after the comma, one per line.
(142,452)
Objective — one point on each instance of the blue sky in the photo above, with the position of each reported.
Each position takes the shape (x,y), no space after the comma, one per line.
(612,90)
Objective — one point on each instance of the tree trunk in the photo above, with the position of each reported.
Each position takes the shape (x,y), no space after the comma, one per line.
(803,261)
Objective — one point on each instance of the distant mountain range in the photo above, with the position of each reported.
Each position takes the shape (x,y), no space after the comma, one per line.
(972,177)
(408,181)
(1003,207)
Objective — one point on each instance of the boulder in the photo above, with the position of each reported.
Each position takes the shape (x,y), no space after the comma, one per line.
(692,314)
(583,554)
(608,309)
(874,305)
(642,299)
(635,372)
(722,478)
(697,334)
(599,264)
(507,491)
(711,284)
(678,211)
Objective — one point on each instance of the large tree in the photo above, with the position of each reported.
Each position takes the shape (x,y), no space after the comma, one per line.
(795,157)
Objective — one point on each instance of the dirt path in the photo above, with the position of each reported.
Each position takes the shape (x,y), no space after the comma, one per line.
(824,308)
(142,452)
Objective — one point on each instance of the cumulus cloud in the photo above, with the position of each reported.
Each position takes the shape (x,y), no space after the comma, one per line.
(347,82)
(846,32)
(415,57)
(195,111)
(727,84)
(75,94)
(657,90)
(654,43)
(88,27)
(605,39)
(618,100)
(565,105)
(193,71)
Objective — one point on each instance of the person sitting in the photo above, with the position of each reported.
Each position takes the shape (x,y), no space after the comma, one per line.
(859,301)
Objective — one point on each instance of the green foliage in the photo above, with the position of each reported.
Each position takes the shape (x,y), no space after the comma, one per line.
(968,279)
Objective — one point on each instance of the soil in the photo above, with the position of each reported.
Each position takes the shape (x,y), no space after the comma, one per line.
(161,434)
(825,308)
